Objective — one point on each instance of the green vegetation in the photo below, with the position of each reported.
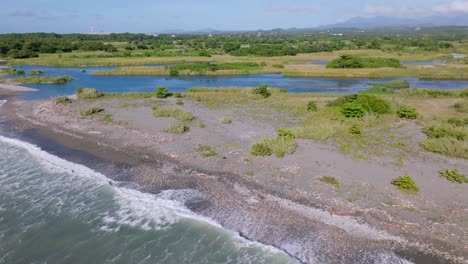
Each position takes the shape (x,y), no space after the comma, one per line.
(161,92)
(172,112)
(312,106)
(434,93)
(354,130)
(107,118)
(37,79)
(179,102)
(262,90)
(14,71)
(88,93)
(406,184)
(352,109)
(450,139)
(36,72)
(356,62)
(356,104)
(91,111)
(330,180)
(177,129)
(206,151)
(461,107)
(407,112)
(62,100)
(283,144)
(453,175)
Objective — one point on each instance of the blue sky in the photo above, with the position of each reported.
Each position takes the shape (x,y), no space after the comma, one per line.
(147,16)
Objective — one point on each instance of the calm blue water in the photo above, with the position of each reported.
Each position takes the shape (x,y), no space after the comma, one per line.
(182,83)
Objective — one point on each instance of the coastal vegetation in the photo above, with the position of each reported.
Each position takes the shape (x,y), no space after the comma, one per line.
(62,100)
(88,93)
(330,180)
(406,184)
(91,111)
(356,62)
(40,79)
(453,175)
(177,129)
(172,112)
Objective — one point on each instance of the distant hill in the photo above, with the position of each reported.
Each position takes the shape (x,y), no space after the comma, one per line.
(381,21)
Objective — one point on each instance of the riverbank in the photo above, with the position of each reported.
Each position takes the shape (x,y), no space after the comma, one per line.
(243,191)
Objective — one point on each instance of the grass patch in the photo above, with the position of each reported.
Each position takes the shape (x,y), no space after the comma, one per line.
(356,62)
(279,145)
(87,93)
(36,72)
(453,175)
(330,180)
(461,107)
(177,129)
(406,184)
(407,112)
(446,146)
(38,79)
(172,112)
(107,118)
(62,100)
(206,151)
(91,111)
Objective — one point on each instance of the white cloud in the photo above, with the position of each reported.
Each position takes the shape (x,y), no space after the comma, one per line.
(454,6)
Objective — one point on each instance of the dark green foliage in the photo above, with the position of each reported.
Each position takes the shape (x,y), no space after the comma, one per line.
(62,80)
(354,130)
(206,151)
(87,93)
(356,61)
(311,106)
(352,110)
(202,67)
(406,184)
(161,92)
(330,180)
(173,72)
(91,111)
(262,90)
(15,71)
(453,176)
(407,112)
(370,103)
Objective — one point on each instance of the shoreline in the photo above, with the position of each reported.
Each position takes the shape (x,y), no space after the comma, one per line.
(178,174)
(16,88)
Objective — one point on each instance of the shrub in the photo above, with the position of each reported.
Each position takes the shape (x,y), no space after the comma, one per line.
(226,120)
(107,118)
(453,176)
(62,100)
(36,72)
(356,61)
(161,92)
(91,111)
(261,148)
(407,112)
(406,184)
(461,107)
(206,151)
(262,90)
(179,102)
(311,106)
(285,133)
(370,103)
(354,130)
(177,129)
(172,112)
(330,180)
(173,71)
(62,80)
(343,100)
(352,110)
(88,93)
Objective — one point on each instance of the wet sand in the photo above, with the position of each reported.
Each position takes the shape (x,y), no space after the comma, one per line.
(311,222)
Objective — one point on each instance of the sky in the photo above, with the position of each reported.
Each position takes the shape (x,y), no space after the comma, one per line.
(153,16)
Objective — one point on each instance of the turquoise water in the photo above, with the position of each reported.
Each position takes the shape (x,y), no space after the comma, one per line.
(54,211)
(182,83)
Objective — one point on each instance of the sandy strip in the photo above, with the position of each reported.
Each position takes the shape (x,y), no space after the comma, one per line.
(18,88)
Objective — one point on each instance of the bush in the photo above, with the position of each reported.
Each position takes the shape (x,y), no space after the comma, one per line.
(406,184)
(285,133)
(261,148)
(461,107)
(88,93)
(262,90)
(356,62)
(62,80)
(311,106)
(173,71)
(352,110)
(354,130)
(91,111)
(62,100)
(370,103)
(407,112)
(206,151)
(172,112)
(330,180)
(36,72)
(453,176)
(161,92)
(177,129)
(107,118)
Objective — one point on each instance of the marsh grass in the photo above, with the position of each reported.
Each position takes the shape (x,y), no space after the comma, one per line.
(87,93)
(177,129)
(39,79)
(91,111)
(279,146)
(62,100)
(172,112)
(206,151)
(453,175)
